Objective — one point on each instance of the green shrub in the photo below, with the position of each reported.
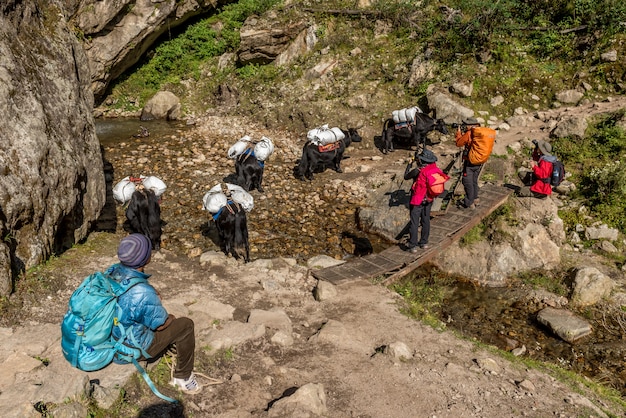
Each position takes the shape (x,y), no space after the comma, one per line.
(598,166)
(182,57)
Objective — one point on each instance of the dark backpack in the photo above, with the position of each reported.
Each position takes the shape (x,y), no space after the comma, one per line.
(558,174)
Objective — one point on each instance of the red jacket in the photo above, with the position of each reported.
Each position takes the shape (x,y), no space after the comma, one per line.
(419,188)
(542,172)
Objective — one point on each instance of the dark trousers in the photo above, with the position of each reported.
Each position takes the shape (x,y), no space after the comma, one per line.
(419,214)
(180,333)
(470,182)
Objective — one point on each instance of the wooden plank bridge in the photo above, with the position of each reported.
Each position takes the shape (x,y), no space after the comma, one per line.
(394,262)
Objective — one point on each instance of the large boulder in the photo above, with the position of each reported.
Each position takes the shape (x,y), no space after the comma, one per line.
(263,40)
(445,107)
(163,105)
(52,185)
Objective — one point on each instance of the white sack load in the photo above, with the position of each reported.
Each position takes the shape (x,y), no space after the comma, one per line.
(324,136)
(124,189)
(405,115)
(263,149)
(312,134)
(239,147)
(155,184)
(214,199)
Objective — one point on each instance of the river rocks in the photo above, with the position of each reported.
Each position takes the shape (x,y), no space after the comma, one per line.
(590,286)
(52,186)
(163,105)
(385,210)
(564,323)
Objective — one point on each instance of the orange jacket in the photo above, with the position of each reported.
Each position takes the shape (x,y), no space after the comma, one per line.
(478,143)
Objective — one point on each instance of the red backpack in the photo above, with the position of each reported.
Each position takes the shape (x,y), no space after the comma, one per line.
(435,184)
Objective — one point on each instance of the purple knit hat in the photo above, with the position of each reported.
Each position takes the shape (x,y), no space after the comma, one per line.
(134,251)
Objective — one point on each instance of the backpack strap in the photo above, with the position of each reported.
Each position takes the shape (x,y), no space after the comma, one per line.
(130,355)
(145,376)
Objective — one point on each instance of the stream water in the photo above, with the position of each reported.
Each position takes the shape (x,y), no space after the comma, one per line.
(301,219)
(506,318)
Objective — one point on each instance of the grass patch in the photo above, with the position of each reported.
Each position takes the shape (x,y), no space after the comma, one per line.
(555,282)
(423,292)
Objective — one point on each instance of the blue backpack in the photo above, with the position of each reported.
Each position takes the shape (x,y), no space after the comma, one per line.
(86,331)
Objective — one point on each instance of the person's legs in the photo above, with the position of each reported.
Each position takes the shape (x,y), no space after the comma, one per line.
(525,176)
(415,215)
(467,183)
(470,183)
(475,173)
(181,333)
(425,221)
(524,191)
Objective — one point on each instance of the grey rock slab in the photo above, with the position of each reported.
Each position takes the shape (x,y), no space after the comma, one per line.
(564,323)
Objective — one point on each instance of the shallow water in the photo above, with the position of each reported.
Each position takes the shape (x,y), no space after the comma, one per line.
(505,317)
(291,218)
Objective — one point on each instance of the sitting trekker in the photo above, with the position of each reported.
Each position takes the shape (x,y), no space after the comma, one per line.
(537,181)
(150,326)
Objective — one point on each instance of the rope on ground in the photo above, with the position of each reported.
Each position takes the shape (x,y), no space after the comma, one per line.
(170,360)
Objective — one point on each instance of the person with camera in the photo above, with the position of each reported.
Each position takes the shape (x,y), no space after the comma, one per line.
(421,200)
(478,143)
(538,177)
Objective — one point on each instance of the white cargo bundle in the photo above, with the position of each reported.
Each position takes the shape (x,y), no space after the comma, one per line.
(214,199)
(323,135)
(239,147)
(155,184)
(312,134)
(405,115)
(263,149)
(124,189)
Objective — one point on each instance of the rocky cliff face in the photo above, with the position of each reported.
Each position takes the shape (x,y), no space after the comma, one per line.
(52,184)
(116,33)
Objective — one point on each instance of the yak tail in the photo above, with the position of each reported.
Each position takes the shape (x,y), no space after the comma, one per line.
(241,234)
(304,162)
(386,125)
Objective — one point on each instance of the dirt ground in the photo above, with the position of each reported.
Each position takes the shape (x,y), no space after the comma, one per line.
(443,376)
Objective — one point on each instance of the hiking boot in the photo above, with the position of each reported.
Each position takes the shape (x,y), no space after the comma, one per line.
(189,385)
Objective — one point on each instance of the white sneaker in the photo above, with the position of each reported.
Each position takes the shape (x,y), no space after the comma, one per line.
(189,385)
